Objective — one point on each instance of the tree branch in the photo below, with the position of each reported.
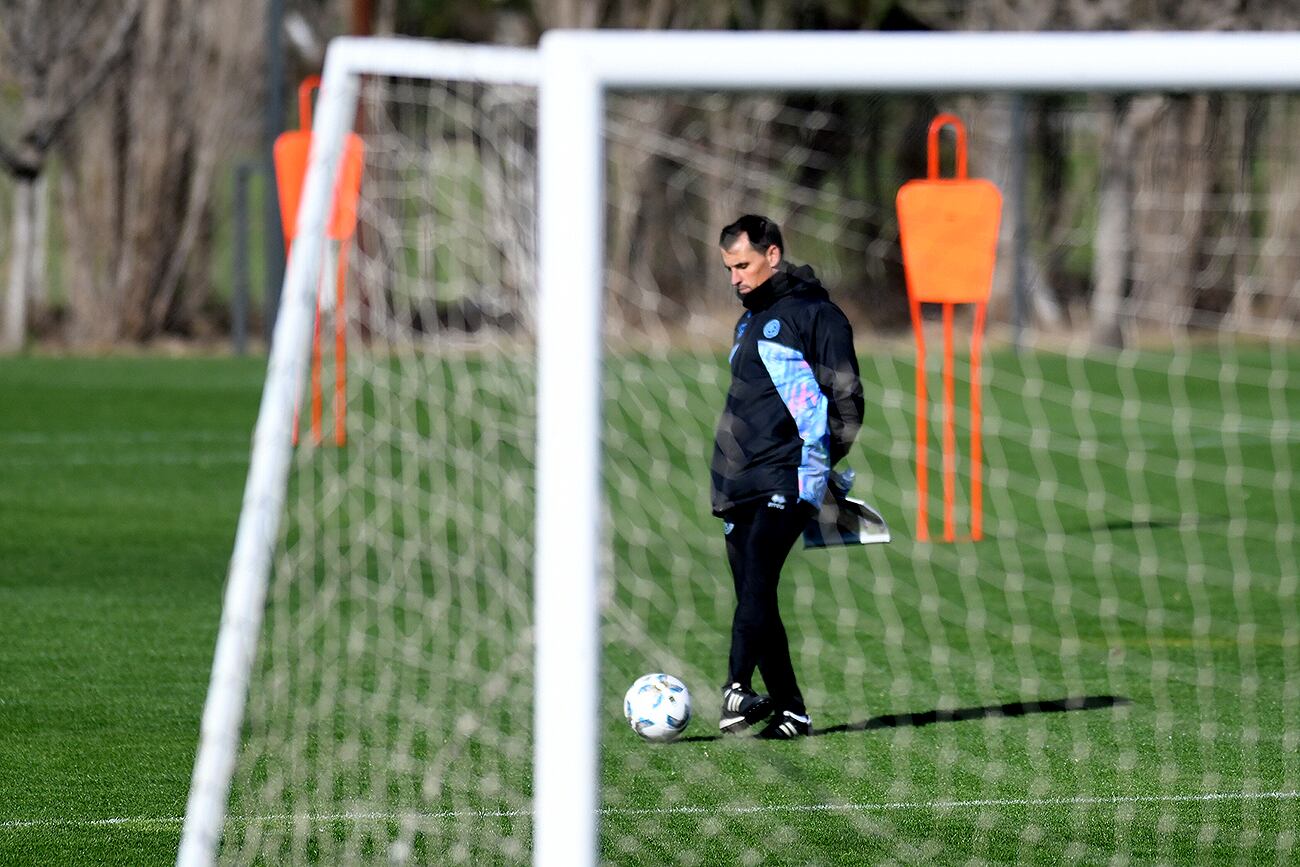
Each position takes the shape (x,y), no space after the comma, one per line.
(15,165)
(46,131)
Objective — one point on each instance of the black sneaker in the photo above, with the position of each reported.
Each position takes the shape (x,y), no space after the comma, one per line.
(742,708)
(787,725)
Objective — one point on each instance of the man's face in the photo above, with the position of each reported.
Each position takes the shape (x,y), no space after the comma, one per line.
(748,267)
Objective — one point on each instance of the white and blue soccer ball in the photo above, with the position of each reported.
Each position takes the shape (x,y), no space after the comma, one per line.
(658,707)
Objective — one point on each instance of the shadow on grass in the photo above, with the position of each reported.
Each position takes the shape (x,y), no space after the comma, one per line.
(961,714)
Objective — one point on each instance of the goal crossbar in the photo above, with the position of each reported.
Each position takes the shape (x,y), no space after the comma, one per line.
(573,70)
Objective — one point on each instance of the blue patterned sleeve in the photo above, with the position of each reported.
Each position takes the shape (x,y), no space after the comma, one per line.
(809,407)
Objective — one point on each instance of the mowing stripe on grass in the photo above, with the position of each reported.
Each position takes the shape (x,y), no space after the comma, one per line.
(145,821)
(119,437)
(198,459)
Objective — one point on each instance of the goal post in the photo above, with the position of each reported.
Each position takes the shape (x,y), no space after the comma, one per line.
(572,73)
(259,517)
(259,522)
(569,516)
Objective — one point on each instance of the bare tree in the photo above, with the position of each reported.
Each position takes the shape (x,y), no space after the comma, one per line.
(142,166)
(1278,279)
(1172,235)
(650,264)
(700,161)
(61,54)
(1277,294)
(1113,237)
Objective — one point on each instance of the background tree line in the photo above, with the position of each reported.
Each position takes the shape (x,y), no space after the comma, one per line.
(120,123)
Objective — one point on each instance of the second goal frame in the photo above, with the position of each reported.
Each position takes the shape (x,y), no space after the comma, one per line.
(577,68)
(572,71)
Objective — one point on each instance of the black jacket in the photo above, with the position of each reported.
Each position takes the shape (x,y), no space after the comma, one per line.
(795,402)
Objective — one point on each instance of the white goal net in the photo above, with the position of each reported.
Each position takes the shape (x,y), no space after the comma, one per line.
(1111,674)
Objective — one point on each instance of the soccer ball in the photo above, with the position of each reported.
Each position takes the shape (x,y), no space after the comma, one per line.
(658,707)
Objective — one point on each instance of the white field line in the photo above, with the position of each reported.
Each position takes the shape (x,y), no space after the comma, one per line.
(119,437)
(86,459)
(104,448)
(761,809)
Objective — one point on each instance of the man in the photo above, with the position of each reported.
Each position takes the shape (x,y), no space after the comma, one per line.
(793,410)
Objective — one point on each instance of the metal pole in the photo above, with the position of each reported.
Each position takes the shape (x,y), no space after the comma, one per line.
(239,265)
(1019,226)
(273,125)
(363,16)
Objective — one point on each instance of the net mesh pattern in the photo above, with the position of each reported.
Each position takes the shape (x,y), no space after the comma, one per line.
(1112,674)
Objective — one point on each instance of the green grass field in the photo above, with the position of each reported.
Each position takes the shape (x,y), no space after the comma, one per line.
(120,485)
(1112,675)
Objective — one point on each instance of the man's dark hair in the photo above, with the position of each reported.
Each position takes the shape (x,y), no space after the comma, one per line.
(762,232)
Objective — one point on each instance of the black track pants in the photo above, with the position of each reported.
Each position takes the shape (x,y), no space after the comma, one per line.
(758,543)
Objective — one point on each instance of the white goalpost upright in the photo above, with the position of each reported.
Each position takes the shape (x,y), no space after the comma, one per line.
(259,517)
(259,521)
(573,71)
